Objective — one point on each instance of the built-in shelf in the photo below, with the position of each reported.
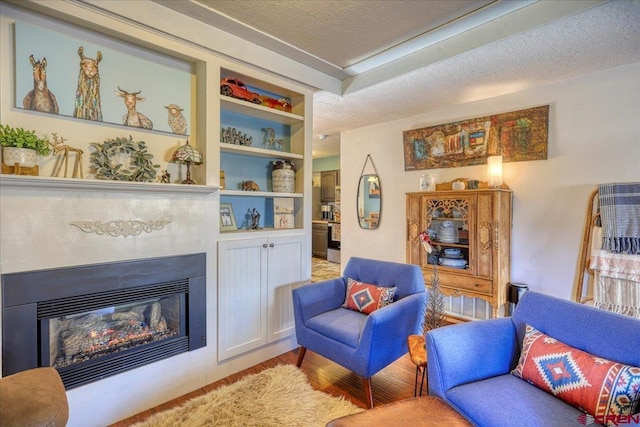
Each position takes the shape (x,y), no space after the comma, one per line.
(248,150)
(258,193)
(39,182)
(254,110)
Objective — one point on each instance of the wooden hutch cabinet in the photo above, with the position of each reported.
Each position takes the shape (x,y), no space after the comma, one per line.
(481,219)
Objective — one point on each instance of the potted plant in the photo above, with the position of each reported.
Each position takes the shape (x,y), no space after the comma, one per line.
(21,146)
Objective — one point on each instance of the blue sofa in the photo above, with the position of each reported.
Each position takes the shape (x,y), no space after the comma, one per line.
(469,365)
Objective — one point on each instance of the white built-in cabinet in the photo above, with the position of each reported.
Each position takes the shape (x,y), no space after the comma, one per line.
(255,280)
(258,268)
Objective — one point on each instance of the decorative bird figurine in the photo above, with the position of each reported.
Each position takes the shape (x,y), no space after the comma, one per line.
(176,120)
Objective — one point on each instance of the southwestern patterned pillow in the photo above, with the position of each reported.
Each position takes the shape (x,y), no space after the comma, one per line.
(367,298)
(592,384)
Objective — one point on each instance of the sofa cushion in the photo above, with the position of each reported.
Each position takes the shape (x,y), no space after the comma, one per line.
(506,400)
(367,298)
(341,325)
(592,384)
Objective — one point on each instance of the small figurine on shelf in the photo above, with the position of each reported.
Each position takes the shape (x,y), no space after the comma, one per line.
(59,146)
(165,178)
(255,219)
(232,136)
(270,141)
(250,186)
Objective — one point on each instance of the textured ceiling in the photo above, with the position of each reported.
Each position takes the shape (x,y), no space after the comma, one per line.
(525,43)
(341,32)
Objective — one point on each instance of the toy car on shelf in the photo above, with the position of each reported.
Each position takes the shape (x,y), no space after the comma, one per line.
(236,89)
(283,104)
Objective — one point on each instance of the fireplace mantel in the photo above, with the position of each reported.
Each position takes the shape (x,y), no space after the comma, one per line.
(43,183)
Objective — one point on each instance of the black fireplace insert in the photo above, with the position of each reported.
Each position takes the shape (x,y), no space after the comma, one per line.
(93,321)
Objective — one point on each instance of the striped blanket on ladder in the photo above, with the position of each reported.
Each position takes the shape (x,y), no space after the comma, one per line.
(615,251)
(620,216)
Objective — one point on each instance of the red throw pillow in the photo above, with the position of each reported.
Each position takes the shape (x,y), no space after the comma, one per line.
(600,387)
(367,298)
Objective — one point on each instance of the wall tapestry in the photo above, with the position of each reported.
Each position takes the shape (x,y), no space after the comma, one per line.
(92,77)
(517,135)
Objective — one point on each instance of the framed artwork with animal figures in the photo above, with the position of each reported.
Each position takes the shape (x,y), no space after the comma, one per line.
(227,218)
(100,79)
(516,135)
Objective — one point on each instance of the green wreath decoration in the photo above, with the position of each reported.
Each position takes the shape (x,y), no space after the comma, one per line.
(141,168)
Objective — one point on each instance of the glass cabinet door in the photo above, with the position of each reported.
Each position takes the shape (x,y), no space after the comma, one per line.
(447,222)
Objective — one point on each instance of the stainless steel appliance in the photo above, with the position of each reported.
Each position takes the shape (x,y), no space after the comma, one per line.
(333,245)
(327,212)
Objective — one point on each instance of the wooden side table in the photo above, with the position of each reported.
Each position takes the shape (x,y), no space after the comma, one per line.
(418,354)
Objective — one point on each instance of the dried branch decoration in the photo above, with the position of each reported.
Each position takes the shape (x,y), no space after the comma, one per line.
(434,307)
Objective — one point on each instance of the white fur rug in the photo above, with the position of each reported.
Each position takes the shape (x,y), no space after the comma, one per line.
(279,396)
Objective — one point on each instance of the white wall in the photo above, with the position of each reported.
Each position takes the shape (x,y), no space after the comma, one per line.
(594,137)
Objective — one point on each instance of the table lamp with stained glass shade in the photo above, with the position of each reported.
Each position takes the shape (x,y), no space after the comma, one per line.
(186,154)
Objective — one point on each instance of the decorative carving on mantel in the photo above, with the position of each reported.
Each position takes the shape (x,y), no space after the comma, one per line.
(121,227)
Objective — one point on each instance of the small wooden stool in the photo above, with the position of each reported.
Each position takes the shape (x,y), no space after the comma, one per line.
(418,354)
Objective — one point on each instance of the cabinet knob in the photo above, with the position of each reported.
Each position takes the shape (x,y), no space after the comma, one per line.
(271,245)
(264,245)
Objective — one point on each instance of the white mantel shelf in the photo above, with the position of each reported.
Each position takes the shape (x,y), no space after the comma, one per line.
(40,183)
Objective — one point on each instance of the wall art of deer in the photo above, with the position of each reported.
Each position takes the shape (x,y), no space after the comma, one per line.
(40,98)
(87,104)
(133,118)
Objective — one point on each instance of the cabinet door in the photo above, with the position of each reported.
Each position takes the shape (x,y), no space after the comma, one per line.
(415,254)
(284,273)
(328,189)
(319,240)
(486,243)
(242,296)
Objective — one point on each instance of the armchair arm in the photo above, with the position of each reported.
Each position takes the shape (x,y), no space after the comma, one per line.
(468,352)
(386,330)
(313,299)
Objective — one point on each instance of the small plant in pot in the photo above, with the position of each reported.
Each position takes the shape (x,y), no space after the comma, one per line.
(21,146)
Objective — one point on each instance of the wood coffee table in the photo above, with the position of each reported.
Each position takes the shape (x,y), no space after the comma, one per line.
(415,412)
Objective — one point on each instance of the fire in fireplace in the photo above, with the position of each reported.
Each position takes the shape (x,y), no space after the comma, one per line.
(80,337)
(94,321)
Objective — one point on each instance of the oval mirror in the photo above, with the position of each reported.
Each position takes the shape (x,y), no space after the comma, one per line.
(369,201)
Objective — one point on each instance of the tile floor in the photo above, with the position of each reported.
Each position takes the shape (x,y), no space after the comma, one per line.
(321,269)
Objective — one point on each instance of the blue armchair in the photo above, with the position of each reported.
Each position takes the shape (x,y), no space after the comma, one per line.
(469,364)
(361,343)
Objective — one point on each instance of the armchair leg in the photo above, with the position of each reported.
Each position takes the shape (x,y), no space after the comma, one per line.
(368,394)
(301,352)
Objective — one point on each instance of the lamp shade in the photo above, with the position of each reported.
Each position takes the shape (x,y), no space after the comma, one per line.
(187,154)
(494,170)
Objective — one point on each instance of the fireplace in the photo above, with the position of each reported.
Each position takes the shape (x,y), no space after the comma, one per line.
(93,321)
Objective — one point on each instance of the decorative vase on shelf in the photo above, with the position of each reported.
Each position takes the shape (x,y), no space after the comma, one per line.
(25,157)
(283,176)
(458,185)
